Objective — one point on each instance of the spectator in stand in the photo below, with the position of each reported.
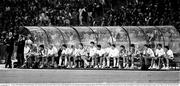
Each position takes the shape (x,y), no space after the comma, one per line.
(65,13)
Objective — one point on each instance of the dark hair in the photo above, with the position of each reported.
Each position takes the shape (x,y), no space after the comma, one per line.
(81,44)
(146,45)
(122,46)
(160,45)
(64,45)
(72,46)
(113,45)
(167,47)
(92,43)
(99,46)
(132,45)
(42,46)
(109,43)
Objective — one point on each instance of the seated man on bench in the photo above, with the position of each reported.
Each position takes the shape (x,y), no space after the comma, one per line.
(99,57)
(169,56)
(160,54)
(148,54)
(82,55)
(63,56)
(52,53)
(114,53)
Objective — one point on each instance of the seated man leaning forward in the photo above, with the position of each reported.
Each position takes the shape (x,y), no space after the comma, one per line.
(81,54)
(148,54)
(114,53)
(99,57)
(169,56)
(52,53)
(160,54)
(132,54)
(92,51)
(63,56)
(41,56)
(70,52)
(123,55)
(107,51)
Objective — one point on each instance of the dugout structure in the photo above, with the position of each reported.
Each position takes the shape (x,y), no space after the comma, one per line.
(119,35)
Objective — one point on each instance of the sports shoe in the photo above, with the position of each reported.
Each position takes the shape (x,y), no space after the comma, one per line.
(167,68)
(68,66)
(157,67)
(73,66)
(150,67)
(102,67)
(153,67)
(96,66)
(119,67)
(163,68)
(132,67)
(127,67)
(124,64)
(41,66)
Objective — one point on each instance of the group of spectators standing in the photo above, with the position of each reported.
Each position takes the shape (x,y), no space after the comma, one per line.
(88,12)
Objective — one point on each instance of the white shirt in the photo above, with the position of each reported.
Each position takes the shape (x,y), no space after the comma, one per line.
(75,52)
(114,53)
(82,52)
(81,11)
(100,52)
(64,51)
(70,51)
(26,50)
(28,41)
(123,53)
(160,52)
(149,51)
(92,51)
(52,51)
(107,50)
(170,54)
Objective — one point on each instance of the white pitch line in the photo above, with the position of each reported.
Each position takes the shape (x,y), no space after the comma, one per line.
(85,70)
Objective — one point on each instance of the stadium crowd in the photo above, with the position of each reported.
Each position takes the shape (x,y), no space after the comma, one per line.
(16,13)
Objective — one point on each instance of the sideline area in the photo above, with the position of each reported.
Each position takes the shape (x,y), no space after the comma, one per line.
(86,76)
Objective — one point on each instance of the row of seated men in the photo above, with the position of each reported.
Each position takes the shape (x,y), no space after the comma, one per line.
(95,56)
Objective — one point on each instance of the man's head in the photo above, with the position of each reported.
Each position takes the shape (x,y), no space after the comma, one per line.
(81,45)
(159,46)
(166,48)
(41,47)
(146,46)
(113,46)
(109,44)
(98,47)
(122,47)
(10,34)
(92,44)
(132,46)
(51,46)
(72,46)
(64,46)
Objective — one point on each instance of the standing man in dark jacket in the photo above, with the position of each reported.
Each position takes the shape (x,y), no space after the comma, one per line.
(20,50)
(10,47)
